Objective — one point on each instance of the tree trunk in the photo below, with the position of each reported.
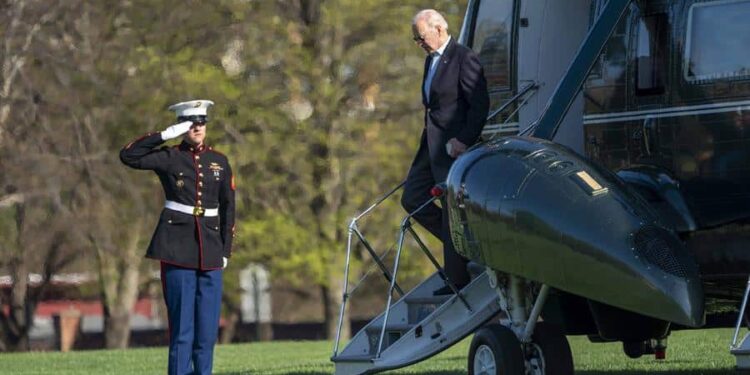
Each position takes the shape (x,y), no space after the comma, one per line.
(119,292)
(332,309)
(117,329)
(230,326)
(21,308)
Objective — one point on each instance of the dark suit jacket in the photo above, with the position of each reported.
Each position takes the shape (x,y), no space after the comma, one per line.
(458,105)
(191,176)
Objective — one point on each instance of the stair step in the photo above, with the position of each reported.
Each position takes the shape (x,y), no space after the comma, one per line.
(421,307)
(377,328)
(353,358)
(475,269)
(428,300)
(420,326)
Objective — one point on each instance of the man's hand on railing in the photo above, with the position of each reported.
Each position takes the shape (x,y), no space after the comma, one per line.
(454,147)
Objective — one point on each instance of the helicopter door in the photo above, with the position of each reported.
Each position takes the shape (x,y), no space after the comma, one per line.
(492,36)
(649,72)
(709,135)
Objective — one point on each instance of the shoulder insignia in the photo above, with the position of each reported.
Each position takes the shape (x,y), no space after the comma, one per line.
(216,152)
(136,140)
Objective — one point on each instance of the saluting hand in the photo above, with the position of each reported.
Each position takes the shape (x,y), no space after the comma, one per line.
(176,130)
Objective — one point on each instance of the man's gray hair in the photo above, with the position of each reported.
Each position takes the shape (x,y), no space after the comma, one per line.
(432,18)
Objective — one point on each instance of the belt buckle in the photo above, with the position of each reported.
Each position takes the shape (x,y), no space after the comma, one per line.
(198,211)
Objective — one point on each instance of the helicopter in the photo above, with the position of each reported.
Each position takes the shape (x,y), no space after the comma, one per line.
(610,196)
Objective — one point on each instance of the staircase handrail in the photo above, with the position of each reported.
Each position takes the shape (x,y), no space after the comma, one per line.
(353,229)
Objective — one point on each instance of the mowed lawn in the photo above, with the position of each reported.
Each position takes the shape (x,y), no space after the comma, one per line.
(689,352)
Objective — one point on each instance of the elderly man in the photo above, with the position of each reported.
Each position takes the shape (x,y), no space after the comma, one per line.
(194,236)
(454,94)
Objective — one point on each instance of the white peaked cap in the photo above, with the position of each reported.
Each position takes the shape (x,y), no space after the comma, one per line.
(191,108)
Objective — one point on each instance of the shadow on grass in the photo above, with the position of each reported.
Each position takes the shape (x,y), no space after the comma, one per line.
(579,372)
(328,373)
(584,372)
(658,372)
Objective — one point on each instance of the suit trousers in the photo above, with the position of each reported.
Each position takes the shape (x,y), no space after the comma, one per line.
(193,299)
(419,181)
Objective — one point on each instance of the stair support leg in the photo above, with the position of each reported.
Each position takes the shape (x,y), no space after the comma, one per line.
(345,294)
(741,351)
(390,292)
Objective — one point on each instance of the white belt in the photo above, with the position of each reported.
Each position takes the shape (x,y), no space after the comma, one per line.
(191,210)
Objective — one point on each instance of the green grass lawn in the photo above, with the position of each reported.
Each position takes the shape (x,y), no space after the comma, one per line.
(689,352)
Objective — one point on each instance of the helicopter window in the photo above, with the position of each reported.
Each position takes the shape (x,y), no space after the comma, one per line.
(604,87)
(493,36)
(610,66)
(717,38)
(651,54)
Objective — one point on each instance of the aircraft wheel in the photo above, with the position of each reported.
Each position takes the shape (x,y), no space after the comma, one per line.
(495,350)
(549,352)
(633,349)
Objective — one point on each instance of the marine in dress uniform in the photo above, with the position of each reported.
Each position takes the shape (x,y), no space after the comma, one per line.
(193,238)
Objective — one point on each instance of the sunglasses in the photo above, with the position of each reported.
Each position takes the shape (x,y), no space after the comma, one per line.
(419,38)
(195,119)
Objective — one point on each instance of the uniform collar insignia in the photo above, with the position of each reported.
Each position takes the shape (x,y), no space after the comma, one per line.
(184,146)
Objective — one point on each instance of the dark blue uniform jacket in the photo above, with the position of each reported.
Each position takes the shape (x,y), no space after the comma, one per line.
(194,176)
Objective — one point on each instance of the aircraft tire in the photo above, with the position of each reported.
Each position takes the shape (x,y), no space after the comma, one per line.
(495,350)
(633,349)
(554,347)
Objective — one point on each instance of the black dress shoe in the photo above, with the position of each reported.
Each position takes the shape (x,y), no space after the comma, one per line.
(446,290)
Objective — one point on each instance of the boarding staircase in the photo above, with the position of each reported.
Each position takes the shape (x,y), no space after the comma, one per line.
(418,325)
(741,349)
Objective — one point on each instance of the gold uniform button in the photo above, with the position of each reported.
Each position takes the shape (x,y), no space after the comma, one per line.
(197,157)
(199,202)
(169,221)
(217,228)
(199,193)
(200,174)
(200,166)
(200,183)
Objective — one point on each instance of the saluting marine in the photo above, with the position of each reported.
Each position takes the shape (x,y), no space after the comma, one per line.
(193,238)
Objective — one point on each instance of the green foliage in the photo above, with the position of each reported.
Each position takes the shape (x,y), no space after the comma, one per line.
(352,70)
(317,107)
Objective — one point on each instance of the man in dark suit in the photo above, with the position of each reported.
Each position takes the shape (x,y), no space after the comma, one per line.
(193,238)
(454,94)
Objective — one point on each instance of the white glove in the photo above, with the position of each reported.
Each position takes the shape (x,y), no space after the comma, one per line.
(176,130)
(225,262)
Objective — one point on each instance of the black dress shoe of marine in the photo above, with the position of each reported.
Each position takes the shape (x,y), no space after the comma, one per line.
(446,290)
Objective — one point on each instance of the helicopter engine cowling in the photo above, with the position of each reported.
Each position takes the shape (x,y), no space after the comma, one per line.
(536,209)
